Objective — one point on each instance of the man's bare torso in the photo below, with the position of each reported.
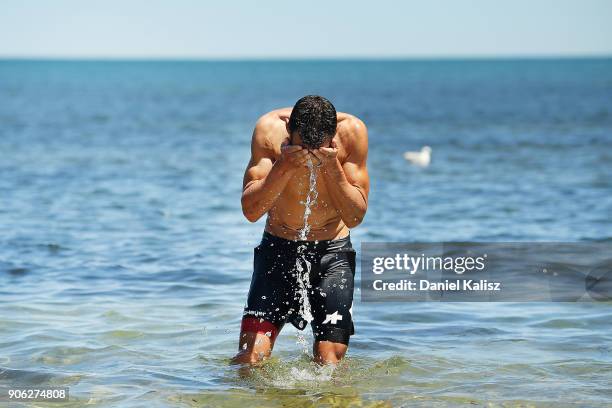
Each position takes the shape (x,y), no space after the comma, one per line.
(286,216)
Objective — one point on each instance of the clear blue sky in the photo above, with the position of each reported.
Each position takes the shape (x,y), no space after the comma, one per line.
(316,28)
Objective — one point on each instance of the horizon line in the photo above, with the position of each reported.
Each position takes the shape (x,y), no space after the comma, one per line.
(110,58)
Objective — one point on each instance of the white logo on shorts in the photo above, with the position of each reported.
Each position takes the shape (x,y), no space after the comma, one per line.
(332,318)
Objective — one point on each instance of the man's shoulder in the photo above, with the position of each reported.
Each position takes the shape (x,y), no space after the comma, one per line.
(350,123)
(270,130)
(273,119)
(352,131)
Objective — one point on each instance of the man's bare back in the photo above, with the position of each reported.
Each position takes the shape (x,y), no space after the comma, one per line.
(327,220)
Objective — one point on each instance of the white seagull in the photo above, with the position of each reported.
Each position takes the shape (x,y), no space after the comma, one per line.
(421,158)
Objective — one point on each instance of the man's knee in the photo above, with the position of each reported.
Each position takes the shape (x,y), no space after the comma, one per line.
(328,357)
(326,352)
(249,357)
(256,345)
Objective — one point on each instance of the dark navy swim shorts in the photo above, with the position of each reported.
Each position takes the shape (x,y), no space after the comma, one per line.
(290,277)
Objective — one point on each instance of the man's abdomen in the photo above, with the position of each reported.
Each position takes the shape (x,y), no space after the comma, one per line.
(286,221)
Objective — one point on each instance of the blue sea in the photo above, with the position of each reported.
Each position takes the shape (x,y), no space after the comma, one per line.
(125,260)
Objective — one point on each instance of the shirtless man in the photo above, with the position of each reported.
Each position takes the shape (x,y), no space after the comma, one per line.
(276,182)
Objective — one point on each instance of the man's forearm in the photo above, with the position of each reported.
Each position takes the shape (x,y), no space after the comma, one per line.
(349,200)
(259,195)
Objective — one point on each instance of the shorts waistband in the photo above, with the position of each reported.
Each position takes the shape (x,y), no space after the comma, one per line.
(268,238)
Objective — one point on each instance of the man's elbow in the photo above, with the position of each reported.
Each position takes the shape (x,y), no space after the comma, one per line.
(355,220)
(248,212)
(353,223)
(250,215)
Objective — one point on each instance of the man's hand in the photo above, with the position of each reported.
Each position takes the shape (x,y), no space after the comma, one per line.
(326,155)
(292,156)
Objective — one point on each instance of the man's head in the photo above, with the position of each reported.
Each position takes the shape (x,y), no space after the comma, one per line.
(312,122)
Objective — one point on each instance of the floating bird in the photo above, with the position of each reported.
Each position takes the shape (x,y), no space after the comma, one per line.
(421,158)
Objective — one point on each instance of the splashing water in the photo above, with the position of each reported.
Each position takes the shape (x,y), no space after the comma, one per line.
(302,265)
(302,342)
(311,199)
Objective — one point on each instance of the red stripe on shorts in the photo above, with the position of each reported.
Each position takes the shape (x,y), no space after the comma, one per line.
(254,324)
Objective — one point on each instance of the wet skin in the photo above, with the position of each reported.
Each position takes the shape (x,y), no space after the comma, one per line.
(342,182)
(276,183)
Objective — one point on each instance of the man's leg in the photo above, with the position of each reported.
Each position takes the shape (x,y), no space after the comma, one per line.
(331,302)
(327,352)
(256,342)
(267,303)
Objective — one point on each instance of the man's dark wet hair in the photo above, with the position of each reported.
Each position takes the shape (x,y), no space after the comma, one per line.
(314,119)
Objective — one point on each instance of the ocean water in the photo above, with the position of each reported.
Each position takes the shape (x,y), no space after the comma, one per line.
(125,260)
